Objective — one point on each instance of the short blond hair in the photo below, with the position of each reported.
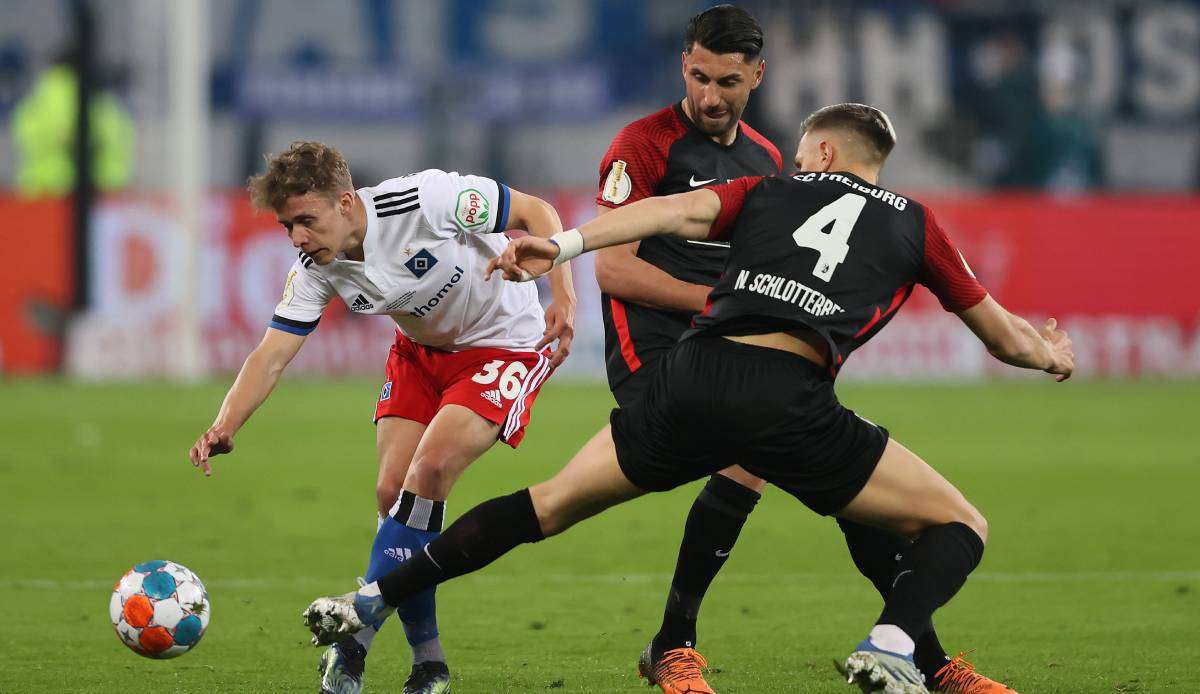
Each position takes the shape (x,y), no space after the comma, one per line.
(306,167)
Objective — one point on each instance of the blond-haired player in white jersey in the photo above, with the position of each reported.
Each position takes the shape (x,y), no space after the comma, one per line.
(467,364)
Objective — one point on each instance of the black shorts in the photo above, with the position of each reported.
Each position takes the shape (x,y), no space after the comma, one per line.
(714,401)
(635,386)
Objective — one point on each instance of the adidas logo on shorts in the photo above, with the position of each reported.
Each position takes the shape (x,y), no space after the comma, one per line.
(361,304)
(492,396)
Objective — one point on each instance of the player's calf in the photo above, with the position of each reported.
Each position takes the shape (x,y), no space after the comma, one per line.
(712,527)
(413,522)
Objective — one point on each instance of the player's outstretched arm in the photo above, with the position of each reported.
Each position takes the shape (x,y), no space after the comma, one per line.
(540,219)
(1012,340)
(689,215)
(623,275)
(254,383)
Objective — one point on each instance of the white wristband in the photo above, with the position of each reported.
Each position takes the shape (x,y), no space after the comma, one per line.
(570,244)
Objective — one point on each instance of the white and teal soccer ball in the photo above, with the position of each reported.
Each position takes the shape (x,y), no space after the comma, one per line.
(159,609)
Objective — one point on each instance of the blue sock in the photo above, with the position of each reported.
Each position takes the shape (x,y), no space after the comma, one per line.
(413,523)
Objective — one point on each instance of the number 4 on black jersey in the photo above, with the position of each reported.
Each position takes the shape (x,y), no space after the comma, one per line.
(830,252)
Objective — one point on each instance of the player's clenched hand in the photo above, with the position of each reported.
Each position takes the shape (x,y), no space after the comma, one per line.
(1061,355)
(560,325)
(524,259)
(215,441)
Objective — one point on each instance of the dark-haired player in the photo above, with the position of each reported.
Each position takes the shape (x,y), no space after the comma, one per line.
(653,287)
(820,262)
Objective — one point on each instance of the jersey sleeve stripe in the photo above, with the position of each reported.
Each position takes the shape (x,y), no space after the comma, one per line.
(945,271)
(502,213)
(396,203)
(399,210)
(295,327)
(396,194)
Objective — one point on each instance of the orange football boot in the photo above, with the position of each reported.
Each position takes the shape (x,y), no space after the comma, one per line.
(959,677)
(678,671)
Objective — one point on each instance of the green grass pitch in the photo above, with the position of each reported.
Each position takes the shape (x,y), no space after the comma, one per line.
(1091,581)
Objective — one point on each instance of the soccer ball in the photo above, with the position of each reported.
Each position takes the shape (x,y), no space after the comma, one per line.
(159,609)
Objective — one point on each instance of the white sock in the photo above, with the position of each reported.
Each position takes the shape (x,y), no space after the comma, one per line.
(892,638)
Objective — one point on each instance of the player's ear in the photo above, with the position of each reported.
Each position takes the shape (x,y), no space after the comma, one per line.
(828,152)
(758,73)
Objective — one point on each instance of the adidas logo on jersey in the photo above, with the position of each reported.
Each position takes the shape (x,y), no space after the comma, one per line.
(492,396)
(398,553)
(361,304)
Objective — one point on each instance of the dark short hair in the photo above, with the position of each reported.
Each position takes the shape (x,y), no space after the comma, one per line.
(725,29)
(868,122)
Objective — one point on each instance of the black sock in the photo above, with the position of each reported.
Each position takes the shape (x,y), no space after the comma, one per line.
(930,573)
(930,656)
(875,552)
(877,555)
(476,539)
(713,525)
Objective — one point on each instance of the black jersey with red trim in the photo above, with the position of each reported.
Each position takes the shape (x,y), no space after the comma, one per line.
(830,252)
(662,154)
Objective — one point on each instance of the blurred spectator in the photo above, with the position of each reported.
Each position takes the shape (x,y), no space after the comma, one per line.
(1037,133)
(43,134)
(1069,149)
(1009,110)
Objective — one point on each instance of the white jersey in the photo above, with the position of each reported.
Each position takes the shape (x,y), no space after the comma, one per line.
(429,238)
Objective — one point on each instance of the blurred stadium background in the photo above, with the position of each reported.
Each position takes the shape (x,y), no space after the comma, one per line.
(1058,142)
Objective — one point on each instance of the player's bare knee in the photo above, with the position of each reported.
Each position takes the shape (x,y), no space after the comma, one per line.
(969,516)
(977,523)
(431,475)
